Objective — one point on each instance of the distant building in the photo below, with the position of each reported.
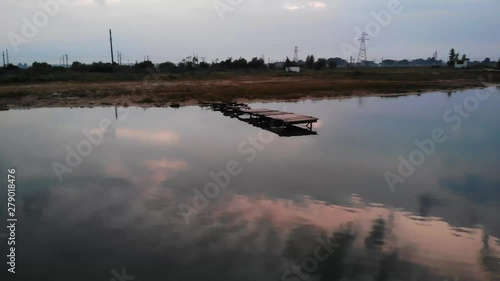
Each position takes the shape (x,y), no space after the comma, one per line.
(461,63)
(293,69)
(279,64)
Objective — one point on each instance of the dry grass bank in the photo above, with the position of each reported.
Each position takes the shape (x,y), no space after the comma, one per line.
(163,89)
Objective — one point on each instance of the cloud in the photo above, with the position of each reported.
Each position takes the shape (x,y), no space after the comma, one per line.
(101,3)
(292,8)
(319,5)
(293,5)
(155,138)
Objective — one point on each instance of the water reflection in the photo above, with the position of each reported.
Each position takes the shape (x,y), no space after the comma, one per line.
(119,207)
(281,130)
(426,203)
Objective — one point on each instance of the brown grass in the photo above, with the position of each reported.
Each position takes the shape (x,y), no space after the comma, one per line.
(162,90)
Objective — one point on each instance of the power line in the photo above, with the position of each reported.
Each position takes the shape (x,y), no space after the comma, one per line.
(111,45)
(119,55)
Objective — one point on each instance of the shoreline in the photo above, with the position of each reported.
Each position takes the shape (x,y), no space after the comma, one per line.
(81,104)
(267,87)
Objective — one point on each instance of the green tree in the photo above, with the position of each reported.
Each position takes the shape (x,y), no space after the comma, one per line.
(321,63)
(76,64)
(310,61)
(101,67)
(452,57)
(204,65)
(144,65)
(227,63)
(240,63)
(288,63)
(257,63)
(41,65)
(167,66)
(498,63)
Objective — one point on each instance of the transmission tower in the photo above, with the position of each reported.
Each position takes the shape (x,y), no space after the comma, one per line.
(435,55)
(296,54)
(362,48)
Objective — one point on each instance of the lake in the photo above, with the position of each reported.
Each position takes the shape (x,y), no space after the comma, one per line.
(387,188)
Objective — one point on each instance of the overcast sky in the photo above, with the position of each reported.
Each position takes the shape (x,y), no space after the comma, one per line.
(172,30)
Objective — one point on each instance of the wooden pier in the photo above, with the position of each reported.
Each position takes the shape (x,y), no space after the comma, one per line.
(281,117)
(280,122)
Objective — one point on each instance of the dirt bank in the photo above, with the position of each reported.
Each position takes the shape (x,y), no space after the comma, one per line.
(162,90)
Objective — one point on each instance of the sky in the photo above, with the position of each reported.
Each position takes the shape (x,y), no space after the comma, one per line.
(168,30)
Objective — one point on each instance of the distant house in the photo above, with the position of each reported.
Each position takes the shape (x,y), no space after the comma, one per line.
(279,64)
(461,63)
(293,69)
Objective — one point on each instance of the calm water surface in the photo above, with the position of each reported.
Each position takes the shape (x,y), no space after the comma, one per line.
(314,207)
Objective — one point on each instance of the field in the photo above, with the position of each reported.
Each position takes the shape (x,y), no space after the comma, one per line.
(160,89)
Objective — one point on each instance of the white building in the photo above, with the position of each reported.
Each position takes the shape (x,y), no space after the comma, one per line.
(461,63)
(293,69)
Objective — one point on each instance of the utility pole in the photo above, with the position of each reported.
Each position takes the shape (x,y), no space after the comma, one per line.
(111,45)
(3,58)
(7,52)
(67,63)
(296,54)
(362,57)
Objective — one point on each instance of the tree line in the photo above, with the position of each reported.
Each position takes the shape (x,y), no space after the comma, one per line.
(191,64)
